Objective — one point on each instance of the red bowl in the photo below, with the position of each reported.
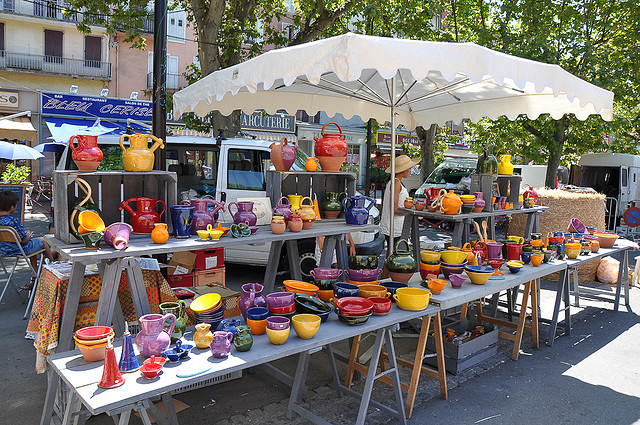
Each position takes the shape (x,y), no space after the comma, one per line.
(94,332)
(283,310)
(381,305)
(354,306)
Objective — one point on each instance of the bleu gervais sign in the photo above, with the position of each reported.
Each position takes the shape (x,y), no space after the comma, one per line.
(80,106)
(284,123)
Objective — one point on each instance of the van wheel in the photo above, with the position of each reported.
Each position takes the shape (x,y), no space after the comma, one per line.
(307,263)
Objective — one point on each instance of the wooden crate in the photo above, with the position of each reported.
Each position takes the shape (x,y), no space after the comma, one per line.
(209,277)
(510,186)
(109,189)
(483,183)
(283,183)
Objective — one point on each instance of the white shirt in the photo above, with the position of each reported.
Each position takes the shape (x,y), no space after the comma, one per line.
(397,219)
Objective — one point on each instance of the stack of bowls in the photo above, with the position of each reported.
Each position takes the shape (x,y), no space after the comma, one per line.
(278,329)
(452,262)
(92,341)
(468,203)
(364,276)
(353,310)
(281,304)
(208,308)
(300,287)
(257,319)
(429,264)
(324,278)
(479,275)
(312,305)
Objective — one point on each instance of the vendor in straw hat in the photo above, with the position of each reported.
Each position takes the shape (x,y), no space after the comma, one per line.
(403,169)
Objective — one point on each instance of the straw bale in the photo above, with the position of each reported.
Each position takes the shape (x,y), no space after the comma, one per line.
(563,205)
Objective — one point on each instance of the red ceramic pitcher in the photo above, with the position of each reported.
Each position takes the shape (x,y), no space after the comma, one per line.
(87,155)
(145,216)
(331,149)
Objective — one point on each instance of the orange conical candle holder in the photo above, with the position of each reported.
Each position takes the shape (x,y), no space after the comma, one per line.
(111,376)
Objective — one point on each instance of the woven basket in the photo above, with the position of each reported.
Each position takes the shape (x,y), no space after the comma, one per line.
(563,205)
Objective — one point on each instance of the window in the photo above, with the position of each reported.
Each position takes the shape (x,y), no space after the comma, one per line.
(624,177)
(8,5)
(53,46)
(173,71)
(176,25)
(92,51)
(246,169)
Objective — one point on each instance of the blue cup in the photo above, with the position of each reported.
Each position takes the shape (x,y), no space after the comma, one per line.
(258,313)
(344,289)
(526,257)
(182,219)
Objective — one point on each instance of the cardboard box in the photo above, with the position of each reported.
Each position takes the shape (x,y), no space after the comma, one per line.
(182,262)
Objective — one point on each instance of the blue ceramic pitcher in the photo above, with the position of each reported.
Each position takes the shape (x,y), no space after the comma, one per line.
(356,213)
(182,219)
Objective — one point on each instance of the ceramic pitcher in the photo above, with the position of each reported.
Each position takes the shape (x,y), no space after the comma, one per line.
(221,344)
(294,200)
(87,155)
(283,155)
(202,217)
(203,335)
(356,213)
(139,157)
(153,339)
(145,216)
(283,206)
(251,297)
(244,213)
(243,341)
(178,309)
(331,149)
(331,207)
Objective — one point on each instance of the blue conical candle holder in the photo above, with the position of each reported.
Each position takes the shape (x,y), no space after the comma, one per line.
(128,361)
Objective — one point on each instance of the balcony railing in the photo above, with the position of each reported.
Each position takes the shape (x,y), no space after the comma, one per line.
(55,65)
(174,81)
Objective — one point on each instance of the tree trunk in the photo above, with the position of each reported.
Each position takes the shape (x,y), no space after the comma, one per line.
(555,151)
(427,137)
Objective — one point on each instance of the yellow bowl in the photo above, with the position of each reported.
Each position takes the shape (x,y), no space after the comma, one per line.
(305,325)
(278,337)
(412,298)
(216,234)
(453,257)
(204,235)
(515,263)
(429,256)
(478,278)
(89,221)
(205,302)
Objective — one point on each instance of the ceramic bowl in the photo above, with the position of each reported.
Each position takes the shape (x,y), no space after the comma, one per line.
(217,234)
(401,277)
(204,234)
(280,299)
(606,240)
(325,284)
(412,298)
(326,273)
(429,256)
(360,262)
(154,361)
(173,354)
(453,257)
(92,353)
(91,342)
(186,350)
(496,264)
(536,258)
(278,323)
(514,266)
(94,332)
(344,289)
(312,305)
(364,275)
(457,280)
(257,313)
(425,272)
(300,287)
(466,209)
(254,229)
(354,320)
(448,271)
(258,327)
(283,310)
(526,257)
(325,294)
(591,229)
(381,306)
(393,286)
(445,265)
(278,337)
(358,283)
(575,225)
(368,291)
(306,325)
(435,285)
(206,303)
(150,371)
(225,230)
(478,278)
(353,306)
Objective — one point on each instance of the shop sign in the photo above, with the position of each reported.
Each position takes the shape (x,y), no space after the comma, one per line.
(385,139)
(9,99)
(92,107)
(283,123)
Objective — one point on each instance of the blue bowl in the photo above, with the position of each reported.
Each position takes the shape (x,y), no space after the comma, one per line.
(174,355)
(186,350)
(526,257)
(344,289)
(323,316)
(514,270)
(392,286)
(258,313)
(479,269)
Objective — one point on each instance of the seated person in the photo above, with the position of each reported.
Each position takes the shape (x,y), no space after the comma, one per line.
(8,203)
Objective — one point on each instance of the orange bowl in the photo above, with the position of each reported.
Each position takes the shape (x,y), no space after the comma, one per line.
(300,287)
(92,353)
(89,221)
(355,282)
(606,240)
(325,295)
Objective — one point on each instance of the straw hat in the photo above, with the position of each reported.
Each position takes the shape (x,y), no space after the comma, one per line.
(403,163)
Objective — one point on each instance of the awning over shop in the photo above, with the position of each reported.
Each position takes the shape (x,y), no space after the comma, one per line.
(272,135)
(19,128)
(63,128)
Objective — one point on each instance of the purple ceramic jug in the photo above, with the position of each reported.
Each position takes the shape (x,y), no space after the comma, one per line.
(251,297)
(201,214)
(283,206)
(244,214)
(153,339)
(221,344)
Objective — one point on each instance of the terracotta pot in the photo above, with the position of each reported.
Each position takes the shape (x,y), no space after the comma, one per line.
(307,214)
(295,223)
(278,226)
(331,149)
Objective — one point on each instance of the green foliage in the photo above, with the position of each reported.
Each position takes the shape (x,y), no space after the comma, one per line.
(112,159)
(378,175)
(16,175)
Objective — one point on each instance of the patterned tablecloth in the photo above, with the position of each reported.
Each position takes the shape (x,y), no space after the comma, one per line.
(51,291)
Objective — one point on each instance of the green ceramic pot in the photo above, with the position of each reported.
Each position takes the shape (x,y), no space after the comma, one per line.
(92,239)
(243,341)
(363,262)
(527,248)
(178,309)
(487,162)
(331,207)
(401,260)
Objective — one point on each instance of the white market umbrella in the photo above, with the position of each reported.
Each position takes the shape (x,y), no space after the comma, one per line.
(15,151)
(405,82)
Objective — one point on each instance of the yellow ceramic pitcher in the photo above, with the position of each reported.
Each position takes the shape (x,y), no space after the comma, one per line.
(139,157)
(504,166)
(295,201)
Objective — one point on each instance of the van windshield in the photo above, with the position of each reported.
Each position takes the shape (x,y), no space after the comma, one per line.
(452,170)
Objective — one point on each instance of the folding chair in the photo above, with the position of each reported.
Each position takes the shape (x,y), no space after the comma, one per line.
(9,234)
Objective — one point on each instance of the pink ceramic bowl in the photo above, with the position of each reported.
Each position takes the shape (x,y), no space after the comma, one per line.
(457,280)
(364,275)
(278,323)
(324,273)
(280,299)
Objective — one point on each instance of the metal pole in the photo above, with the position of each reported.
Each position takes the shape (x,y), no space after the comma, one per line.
(160,78)
(367,153)
(392,193)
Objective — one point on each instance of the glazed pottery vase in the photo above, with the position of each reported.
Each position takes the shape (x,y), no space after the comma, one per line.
(278,226)
(160,233)
(494,250)
(182,219)
(92,239)
(294,201)
(117,235)
(356,213)
(153,339)
(401,260)
(251,297)
(145,216)
(87,155)
(487,162)
(178,309)
(449,203)
(307,214)
(243,341)
(295,223)
(514,251)
(244,213)
(139,157)
(331,149)
(312,164)
(283,155)
(202,217)
(504,166)
(203,335)
(332,207)
(283,206)
(221,344)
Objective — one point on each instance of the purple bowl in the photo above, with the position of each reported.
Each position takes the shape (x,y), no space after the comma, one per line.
(326,273)
(280,299)
(257,313)
(364,275)
(453,270)
(449,265)
(457,279)
(278,323)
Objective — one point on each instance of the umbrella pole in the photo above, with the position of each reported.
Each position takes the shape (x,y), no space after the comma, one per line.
(392,192)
